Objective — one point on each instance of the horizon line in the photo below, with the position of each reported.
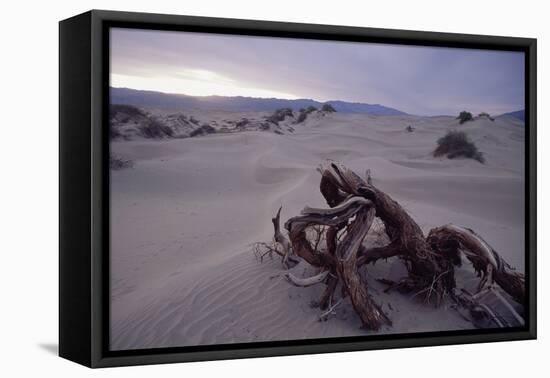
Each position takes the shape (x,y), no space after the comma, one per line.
(258,98)
(298,99)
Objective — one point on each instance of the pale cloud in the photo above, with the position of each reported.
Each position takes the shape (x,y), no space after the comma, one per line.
(195,83)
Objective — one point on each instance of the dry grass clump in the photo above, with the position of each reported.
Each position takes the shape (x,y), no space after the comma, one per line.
(457,144)
(486,115)
(280,115)
(304,113)
(153,128)
(465,117)
(203,130)
(328,108)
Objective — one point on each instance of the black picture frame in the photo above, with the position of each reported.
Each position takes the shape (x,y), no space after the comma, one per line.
(84,187)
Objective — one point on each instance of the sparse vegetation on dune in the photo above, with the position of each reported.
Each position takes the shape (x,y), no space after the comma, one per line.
(155,129)
(328,108)
(148,126)
(457,144)
(280,115)
(203,130)
(128,123)
(242,123)
(486,115)
(465,117)
(124,110)
(301,118)
(304,113)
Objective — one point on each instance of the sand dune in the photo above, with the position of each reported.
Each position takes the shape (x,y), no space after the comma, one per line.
(183,219)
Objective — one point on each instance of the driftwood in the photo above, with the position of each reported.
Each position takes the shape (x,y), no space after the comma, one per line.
(430,261)
(305,282)
(489,265)
(280,238)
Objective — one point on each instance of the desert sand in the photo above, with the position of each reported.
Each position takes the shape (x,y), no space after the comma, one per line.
(185,216)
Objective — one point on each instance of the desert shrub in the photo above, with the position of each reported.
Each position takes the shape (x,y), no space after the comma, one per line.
(457,144)
(127,110)
(280,114)
(264,126)
(487,115)
(180,118)
(301,117)
(117,163)
(119,113)
(304,113)
(203,130)
(242,123)
(328,108)
(465,117)
(153,128)
(149,127)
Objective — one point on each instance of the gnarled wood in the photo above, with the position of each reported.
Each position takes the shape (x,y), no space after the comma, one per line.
(332,281)
(296,227)
(371,255)
(330,190)
(430,262)
(426,267)
(280,238)
(452,239)
(370,313)
(306,281)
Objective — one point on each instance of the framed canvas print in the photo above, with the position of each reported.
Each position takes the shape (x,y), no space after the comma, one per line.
(233,188)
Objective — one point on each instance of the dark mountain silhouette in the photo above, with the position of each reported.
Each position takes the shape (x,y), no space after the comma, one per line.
(238,104)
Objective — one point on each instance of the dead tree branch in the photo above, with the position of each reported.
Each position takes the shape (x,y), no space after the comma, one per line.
(430,261)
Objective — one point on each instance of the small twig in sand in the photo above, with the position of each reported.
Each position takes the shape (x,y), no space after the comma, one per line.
(330,311)
(430,289)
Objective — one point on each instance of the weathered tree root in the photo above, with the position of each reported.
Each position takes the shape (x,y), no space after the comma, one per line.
(280,238)
(430,261)
(489,265)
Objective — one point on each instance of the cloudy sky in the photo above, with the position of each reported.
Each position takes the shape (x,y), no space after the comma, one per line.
(417,80)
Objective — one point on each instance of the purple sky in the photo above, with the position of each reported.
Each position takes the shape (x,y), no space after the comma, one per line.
(417,80)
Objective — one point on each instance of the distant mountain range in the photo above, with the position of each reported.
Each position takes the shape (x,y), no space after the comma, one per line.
(237,104)
(520,114)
